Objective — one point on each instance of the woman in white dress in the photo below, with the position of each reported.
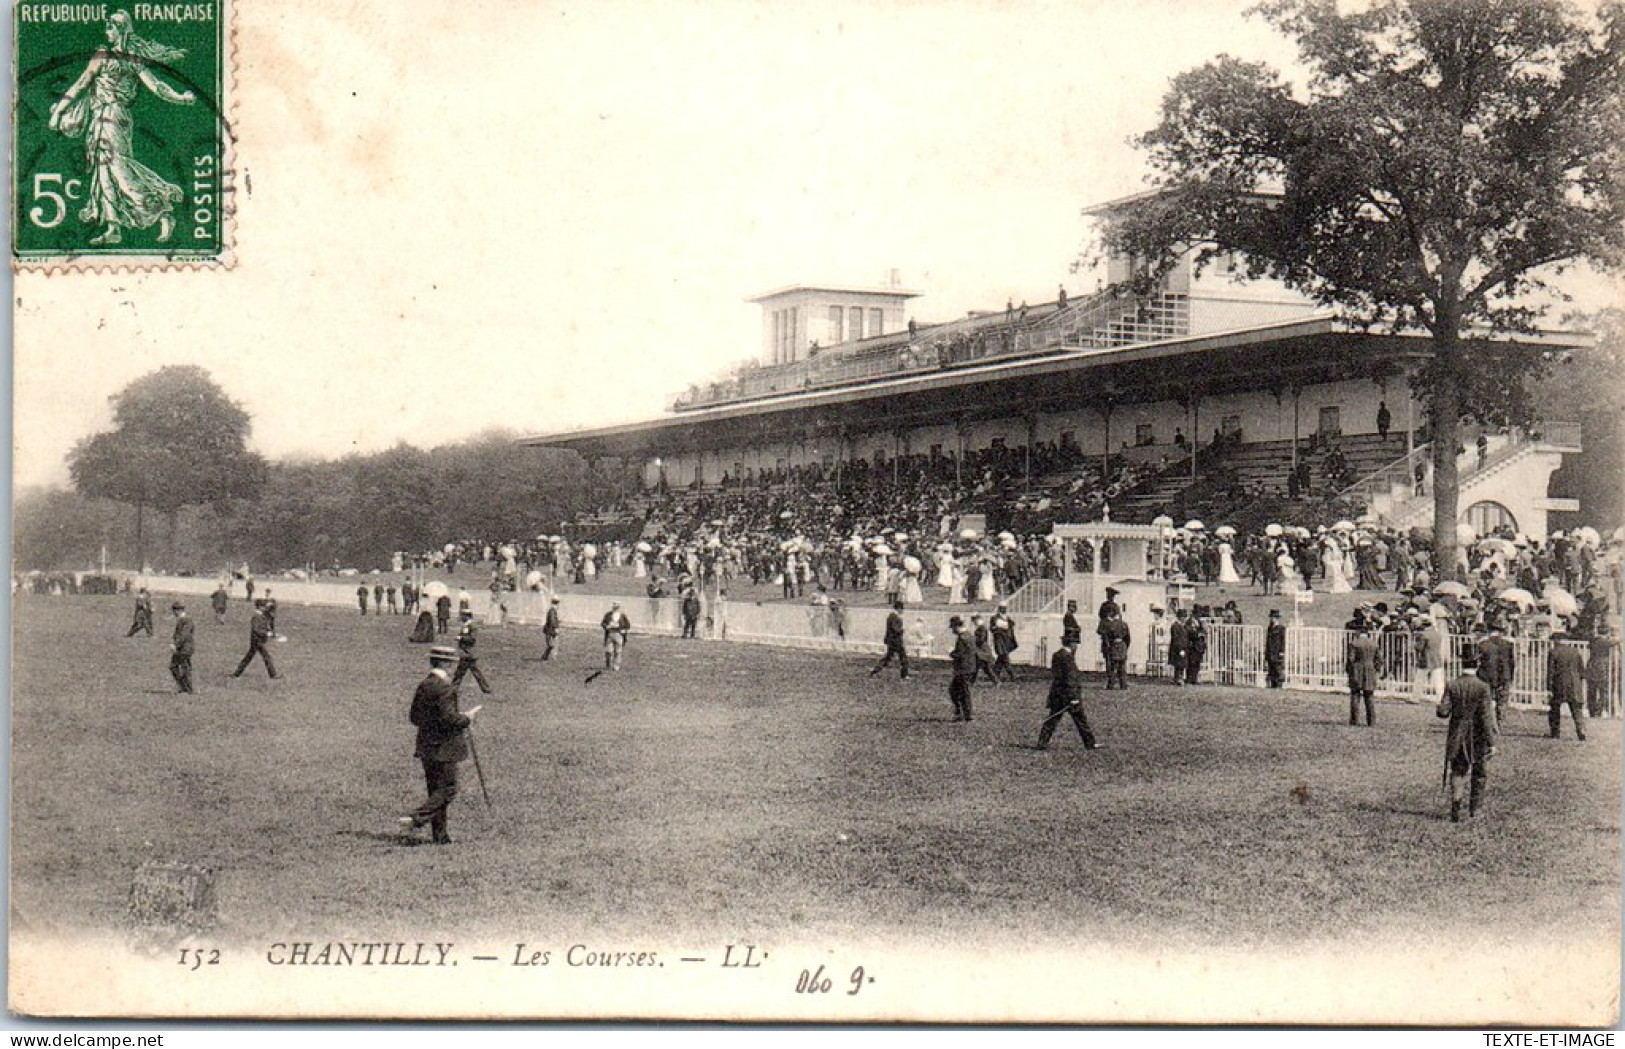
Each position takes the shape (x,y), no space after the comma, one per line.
(1227,564)
(1291,581)
(638,569)
(911,582)
(880,573)
(589,561)
(945,567)
(1331,560)
(985,590)
(956,591)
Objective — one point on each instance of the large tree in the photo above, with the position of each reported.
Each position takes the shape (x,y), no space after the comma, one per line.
(1448,158)
(177,440)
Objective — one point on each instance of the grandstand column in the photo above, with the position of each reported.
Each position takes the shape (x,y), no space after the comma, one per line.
(1296,391)
(1106,438)
(959,449)
(1032,437)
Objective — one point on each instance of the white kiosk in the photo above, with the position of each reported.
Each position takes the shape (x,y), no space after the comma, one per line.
(1127,558)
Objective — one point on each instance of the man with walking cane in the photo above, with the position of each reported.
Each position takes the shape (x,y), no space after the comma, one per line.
(1066,696)
(443,742)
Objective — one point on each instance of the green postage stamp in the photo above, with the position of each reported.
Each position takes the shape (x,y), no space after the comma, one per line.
(121,149)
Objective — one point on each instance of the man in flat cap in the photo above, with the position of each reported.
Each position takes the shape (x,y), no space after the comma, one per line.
(180,650)
(442,742)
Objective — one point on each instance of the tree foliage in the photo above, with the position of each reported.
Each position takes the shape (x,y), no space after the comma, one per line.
(1447,161)
(177,440)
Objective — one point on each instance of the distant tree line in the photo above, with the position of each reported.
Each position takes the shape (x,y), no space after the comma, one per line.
(178,447)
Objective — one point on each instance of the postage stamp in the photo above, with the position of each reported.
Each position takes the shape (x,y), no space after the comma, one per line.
(121,150)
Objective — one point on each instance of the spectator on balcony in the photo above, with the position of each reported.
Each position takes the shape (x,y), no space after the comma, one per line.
(1060,298)
(1384,419)
(1179,437)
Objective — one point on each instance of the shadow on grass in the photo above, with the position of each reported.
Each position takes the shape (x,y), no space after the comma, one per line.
(399,839)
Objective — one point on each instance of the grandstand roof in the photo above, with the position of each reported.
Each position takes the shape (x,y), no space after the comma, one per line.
(841,289)
(1273,357)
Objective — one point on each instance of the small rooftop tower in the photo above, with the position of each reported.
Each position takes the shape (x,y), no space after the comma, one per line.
(795,318)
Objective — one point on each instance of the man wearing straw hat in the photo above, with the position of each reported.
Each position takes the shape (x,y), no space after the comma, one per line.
(442,742)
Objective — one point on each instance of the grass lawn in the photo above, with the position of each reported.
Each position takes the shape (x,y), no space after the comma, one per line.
(1246,847)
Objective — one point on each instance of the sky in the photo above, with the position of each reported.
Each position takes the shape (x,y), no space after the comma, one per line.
(460,215)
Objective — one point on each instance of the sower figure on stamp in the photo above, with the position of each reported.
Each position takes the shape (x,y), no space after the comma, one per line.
(1470,741)
(442,743)
(259,632)
(1066,697)
(180,650)
(98,107)
(467,662)
(143,614)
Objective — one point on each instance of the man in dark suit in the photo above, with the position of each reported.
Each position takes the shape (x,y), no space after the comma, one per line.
(180,650)
(218,601)
(1565,684)
(1179,642)
(1003,628)
(467,662)
(691,612)
(1066,697)
(1506,660)
(1195,648)
(982,641)
(1114,645)
(1275,650)
(964,668)
(1070,627)
(1360,663)
(361,597)
(616,627)
(442,743)
(1470,741)
(259,632)
(550,628)
(143,614)
(442,613)
(894,642)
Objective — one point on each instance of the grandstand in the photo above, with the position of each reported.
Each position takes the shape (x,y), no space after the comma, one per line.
(1207,395)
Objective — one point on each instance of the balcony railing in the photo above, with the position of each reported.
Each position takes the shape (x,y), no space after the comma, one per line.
(1102,321)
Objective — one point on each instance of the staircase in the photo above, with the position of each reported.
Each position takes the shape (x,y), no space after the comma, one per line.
(1390,492)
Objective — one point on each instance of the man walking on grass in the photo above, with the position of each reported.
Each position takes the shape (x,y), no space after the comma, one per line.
(1066,697)
(442,743)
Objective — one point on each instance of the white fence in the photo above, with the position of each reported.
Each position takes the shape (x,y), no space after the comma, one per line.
(1235,654)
